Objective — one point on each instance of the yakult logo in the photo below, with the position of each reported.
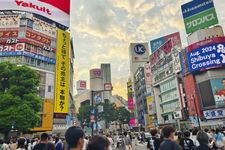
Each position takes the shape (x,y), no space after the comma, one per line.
(33,6)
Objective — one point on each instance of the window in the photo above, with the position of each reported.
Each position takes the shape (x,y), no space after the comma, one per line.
(49,88)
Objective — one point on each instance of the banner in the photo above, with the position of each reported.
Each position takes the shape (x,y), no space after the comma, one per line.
(130,94)
(148,75)
(62,72)
(218,89)
(206,57)
(199,14)
(30,34)
(56,10)
(9,33)
(150,105)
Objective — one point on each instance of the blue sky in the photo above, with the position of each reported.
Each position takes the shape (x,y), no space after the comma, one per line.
(103,30)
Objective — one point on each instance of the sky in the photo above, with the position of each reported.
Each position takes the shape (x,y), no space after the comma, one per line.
(103,29)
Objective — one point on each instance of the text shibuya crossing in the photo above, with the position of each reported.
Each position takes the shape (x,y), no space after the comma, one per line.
(210,54)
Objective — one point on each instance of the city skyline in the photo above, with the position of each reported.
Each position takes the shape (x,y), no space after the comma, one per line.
(103,30)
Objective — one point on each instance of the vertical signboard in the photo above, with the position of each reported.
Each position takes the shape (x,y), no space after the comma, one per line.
(150,105)
(148,76)
(130,95)
(62,73)
(199,14)
(139,52)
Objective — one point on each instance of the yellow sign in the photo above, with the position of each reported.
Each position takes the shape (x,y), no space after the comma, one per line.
(62,72)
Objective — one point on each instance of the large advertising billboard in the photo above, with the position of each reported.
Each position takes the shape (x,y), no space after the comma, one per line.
(157,43)
(206,54)
(130,94)
(199,14)
(218,89)
(56,10)
(139,52)
(62,73)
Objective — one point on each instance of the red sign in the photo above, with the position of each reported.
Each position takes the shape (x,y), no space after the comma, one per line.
(9,34)
(12,47)
(38,37)
(205,42)
(83,84)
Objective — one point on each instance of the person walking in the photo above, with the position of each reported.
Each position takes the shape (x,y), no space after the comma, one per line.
(218,137)
(21,144)
(168,142)
(75,138)
(58,143)
(153,141)
(42,143)
(203,140)
(98,142)
(127,142)
(186,143)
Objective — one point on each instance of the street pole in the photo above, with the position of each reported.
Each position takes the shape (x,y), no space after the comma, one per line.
(199,125)
(92,107)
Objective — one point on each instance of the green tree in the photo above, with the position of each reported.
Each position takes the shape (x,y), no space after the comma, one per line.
(84,114)
(19,102)
(122,115)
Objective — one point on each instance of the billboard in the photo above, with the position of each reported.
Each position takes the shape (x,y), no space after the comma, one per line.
(9,21)
(139,52)
(157,43)
(62,73)
(214,113)
(148,76)
(206,54)
(97,98)
(218,89)
(198,15)
(56,10)
(130,94)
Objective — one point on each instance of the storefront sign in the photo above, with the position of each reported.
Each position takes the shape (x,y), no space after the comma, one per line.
(139,52)
(9,21)
(9,33)
(208,56)
(12,47)
(215,113)
(37,37)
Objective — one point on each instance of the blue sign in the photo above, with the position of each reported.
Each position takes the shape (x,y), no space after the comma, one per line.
(208,56)
(157,43)
(139,49)
(35,56)
(195,7)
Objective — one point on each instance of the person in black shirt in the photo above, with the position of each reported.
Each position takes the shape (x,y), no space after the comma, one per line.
(41,145)
(203,140)
(186,143)
(168,142)
(154,141)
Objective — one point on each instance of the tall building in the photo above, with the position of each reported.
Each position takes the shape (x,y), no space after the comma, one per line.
(30,37)
(106,75)
(139,55)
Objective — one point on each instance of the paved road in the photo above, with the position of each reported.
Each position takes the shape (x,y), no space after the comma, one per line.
(137,147)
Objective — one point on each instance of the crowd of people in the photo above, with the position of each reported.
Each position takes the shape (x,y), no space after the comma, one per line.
(165,139)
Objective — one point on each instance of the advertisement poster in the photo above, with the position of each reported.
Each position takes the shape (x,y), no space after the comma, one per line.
(199,14)
(157,43)
(206,57)
(9,21)
(218,89)
(61,103)
(56,10)
(97,97)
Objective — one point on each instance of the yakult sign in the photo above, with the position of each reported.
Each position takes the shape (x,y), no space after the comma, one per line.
(56,10)
(211,54)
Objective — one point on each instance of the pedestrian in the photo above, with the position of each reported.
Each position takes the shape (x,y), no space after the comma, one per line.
(85,143)
(203,140)
(98,142)
(41,145)
(168,142)
(219,139)
(21,144)
(186,143)
(110,140)
(58,143)
(75,138)
(153,141)
(1,144)
(194,137)
(49,146)
(127,142)
(5,145)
